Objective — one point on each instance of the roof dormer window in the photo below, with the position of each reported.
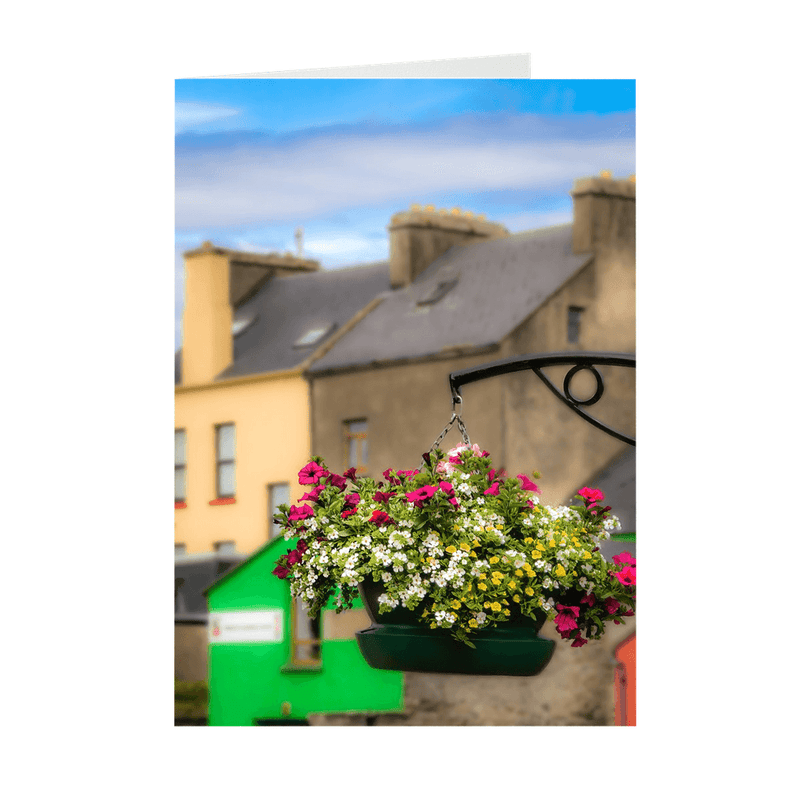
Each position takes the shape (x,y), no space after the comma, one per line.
(314,335)
(437,293)
(242,324)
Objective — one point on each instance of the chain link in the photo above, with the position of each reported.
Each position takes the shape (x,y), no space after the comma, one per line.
(457,401)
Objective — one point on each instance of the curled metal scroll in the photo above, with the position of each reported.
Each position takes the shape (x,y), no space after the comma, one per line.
(580,361)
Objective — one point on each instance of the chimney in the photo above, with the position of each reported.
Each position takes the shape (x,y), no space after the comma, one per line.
(217,281)
(419,236)
(604,213)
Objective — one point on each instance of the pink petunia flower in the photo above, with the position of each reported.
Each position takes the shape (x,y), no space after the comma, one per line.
(348,512)
(448,491)
(281,571)
(312,473)
(352,499)
(624,558)
(419,497)
(591,496)
(589,599)
(350,474)
(445,468)
(302,546)
(313,495)
(494,489)
(579,641)
(393,481)
(339,481)
(383,497)
(303,512)
(626,576)
(612,605)
(527,484)
(294,557)
(566,619)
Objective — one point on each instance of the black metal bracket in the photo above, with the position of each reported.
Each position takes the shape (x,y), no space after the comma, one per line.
(579,360)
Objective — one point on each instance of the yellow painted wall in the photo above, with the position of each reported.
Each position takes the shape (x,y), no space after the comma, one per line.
(272,445)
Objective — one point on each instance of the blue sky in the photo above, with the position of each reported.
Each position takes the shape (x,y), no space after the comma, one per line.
(256,158)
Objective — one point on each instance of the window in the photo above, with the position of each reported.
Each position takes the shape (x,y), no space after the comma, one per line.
(225,547)
(356,444)
(574,323)
(226,454)
(437,293)
(306,642)
(277,495)
(314,335)
(180,466)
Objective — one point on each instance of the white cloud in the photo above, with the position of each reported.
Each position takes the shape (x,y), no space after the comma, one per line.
(192,115)
(325,174)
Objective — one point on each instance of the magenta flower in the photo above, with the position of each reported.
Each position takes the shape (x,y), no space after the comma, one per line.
(393,481)
(419,497)
(303,512)
(566,619)
(612,605)
(494,489)
(455,460)
(579,641)
(339,481)
(589,599)
(448,491)
(281,571)
(311,473)
(624,558)
(313,495)
(383,497)
(302,546)
(352,499)
(591,496)
(294,557)
(408,473)
(381,518)
(626,576)
(527,484)
(348,512)
(350,474)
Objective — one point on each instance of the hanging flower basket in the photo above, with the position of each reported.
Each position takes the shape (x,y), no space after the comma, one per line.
(458,565)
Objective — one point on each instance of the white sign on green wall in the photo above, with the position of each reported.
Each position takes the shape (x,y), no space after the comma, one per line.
(245,626)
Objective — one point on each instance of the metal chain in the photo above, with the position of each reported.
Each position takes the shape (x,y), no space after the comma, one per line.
(457,401)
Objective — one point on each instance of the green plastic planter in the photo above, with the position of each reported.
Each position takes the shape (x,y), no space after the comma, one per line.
(398,641)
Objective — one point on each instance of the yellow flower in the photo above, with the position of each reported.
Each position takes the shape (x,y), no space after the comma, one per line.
(433,624)
(476,543)
(487,604)
(529,591)
(473,623)
(575,573)
(496,581)
(496,607)
(464,546)
(528,540)
(515,598)
(473,554)
(512,584)
(560,572)
(518,573)
(493,560)
(497,574)
(535,554)
(482,586)
(455,604)
(506,612)
(483,575)
(450,549)
(586,555)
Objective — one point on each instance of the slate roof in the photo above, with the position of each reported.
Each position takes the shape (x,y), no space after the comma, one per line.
(499,284)
(287,307)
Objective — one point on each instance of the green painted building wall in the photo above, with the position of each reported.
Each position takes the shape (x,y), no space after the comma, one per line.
(251,681)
